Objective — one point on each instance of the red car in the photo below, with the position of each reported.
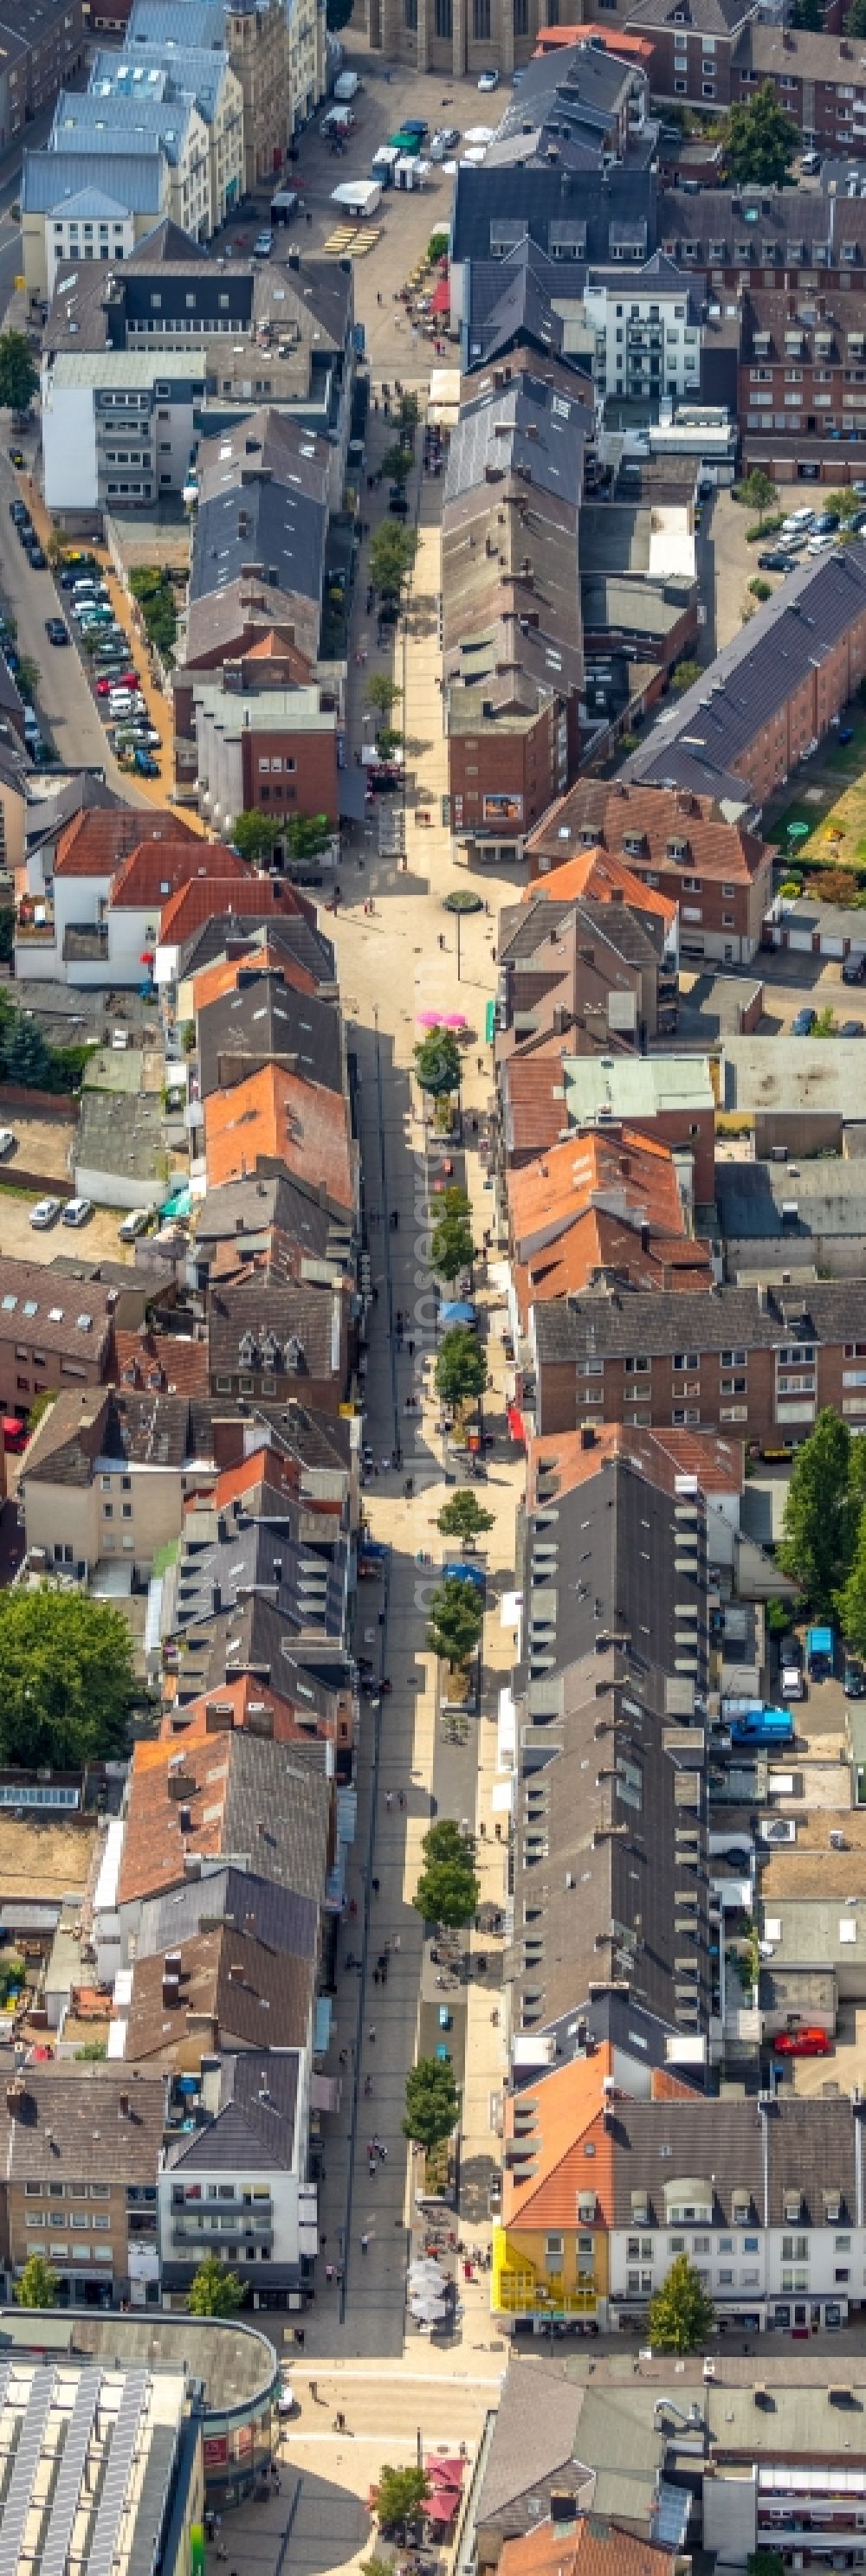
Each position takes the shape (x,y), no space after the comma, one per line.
(802,2043)
(122,680)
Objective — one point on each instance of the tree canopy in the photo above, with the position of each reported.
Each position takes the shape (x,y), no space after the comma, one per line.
(761,142)
(822,1510)
(685,675)
(460,1366)
(392,554)
(67,1680)
(18,375)
(758,492)
(37,2285)
(855,23)
(305,835)
(463,1517)
(452,1248)
(438,1066)
(809,15)
(214,2291)
(681,2316)
(456,1620)
(432,2103)
(397,2496)
(382,692)
(448,1888)
(254,835)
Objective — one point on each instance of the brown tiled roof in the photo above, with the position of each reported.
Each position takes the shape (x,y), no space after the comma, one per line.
(89,2123)
(183,1365)
(251,1993)
(660,1455)
(97,841)
(611,808)
(69,1316)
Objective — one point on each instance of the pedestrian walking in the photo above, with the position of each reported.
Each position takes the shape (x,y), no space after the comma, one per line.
(371,2034)
(364,2244)
(371,2168)
(396,1940)
(375,1976)
(375,1886)
(389,1799)
(314,2391)
(329,2273)
(401,1794)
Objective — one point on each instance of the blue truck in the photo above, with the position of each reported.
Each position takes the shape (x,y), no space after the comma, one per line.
(759,1725)
(820,1653)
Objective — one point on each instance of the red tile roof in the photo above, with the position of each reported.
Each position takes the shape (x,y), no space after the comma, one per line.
(184,1364)
(594,1203)
(605,877)
(155,870)
(592,2547)
(196,903)
(278,1115)
(610,808)
(98,839)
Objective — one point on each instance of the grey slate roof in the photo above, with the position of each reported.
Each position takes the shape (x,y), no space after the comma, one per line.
(266,1022)
(110,125)
(244,1212)
(293,937)
(173,23)
(528,429)
(622,1325)
(254,1639)
(254,2129)
(278,1916)
(137,181)
(829,1197)
(194,72)
(306,1583)
(537,200)
(72,2128)
(717,719)
(278,524)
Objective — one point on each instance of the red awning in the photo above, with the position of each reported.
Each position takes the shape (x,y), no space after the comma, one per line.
(440,301)
(515,1424)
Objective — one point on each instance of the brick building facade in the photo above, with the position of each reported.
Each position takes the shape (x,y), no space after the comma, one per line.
(752,1362)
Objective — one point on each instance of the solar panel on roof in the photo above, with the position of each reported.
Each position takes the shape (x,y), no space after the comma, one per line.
(102,2551)
(67,2491)
(21,2483)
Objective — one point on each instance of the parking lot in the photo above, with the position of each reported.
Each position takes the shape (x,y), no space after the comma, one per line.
(95,1241)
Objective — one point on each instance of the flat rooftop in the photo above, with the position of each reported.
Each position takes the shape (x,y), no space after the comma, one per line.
(236,2363)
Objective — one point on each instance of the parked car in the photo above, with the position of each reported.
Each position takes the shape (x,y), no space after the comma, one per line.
(852,1029)
(107,688)
(8,1142)
(77,1211)
(444,140)
(134,1224)
(798,523)
(56,631)
(263,245)
(144,761)
(45,1212)
(16,457)
(774,561)
(853,970)
(853,1678)
(845,733)
(803,1022)
(488,80)
(802,2043)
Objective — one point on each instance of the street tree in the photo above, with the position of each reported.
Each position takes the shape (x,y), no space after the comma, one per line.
(758,492)
(382,693)
(438,1067)
(817,1541)
(397,2496)
(681,2317)
(37,2285)
(388,740)
(448,1889)
(452,1248)
(760,141)
(684,675)
(432,2103)
(254,834)
(18,375)
(845,503)
(392,554)
(463,1517)
(855,23)
(306,835)
(67,1680)
(456,1620)
(397,463)
(215,2292)
(461,1374)
(410,408)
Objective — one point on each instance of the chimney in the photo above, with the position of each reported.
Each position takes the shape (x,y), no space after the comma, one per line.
(16,2096)
(587,1441)
(562,2510)
(236,1974)
(123,2106)
(170,1989)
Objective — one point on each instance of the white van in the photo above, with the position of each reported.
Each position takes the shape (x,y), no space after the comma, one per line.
(797,523)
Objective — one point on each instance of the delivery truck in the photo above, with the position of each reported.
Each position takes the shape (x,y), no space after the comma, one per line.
(763,1726)
(820,1653)
(384,163)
